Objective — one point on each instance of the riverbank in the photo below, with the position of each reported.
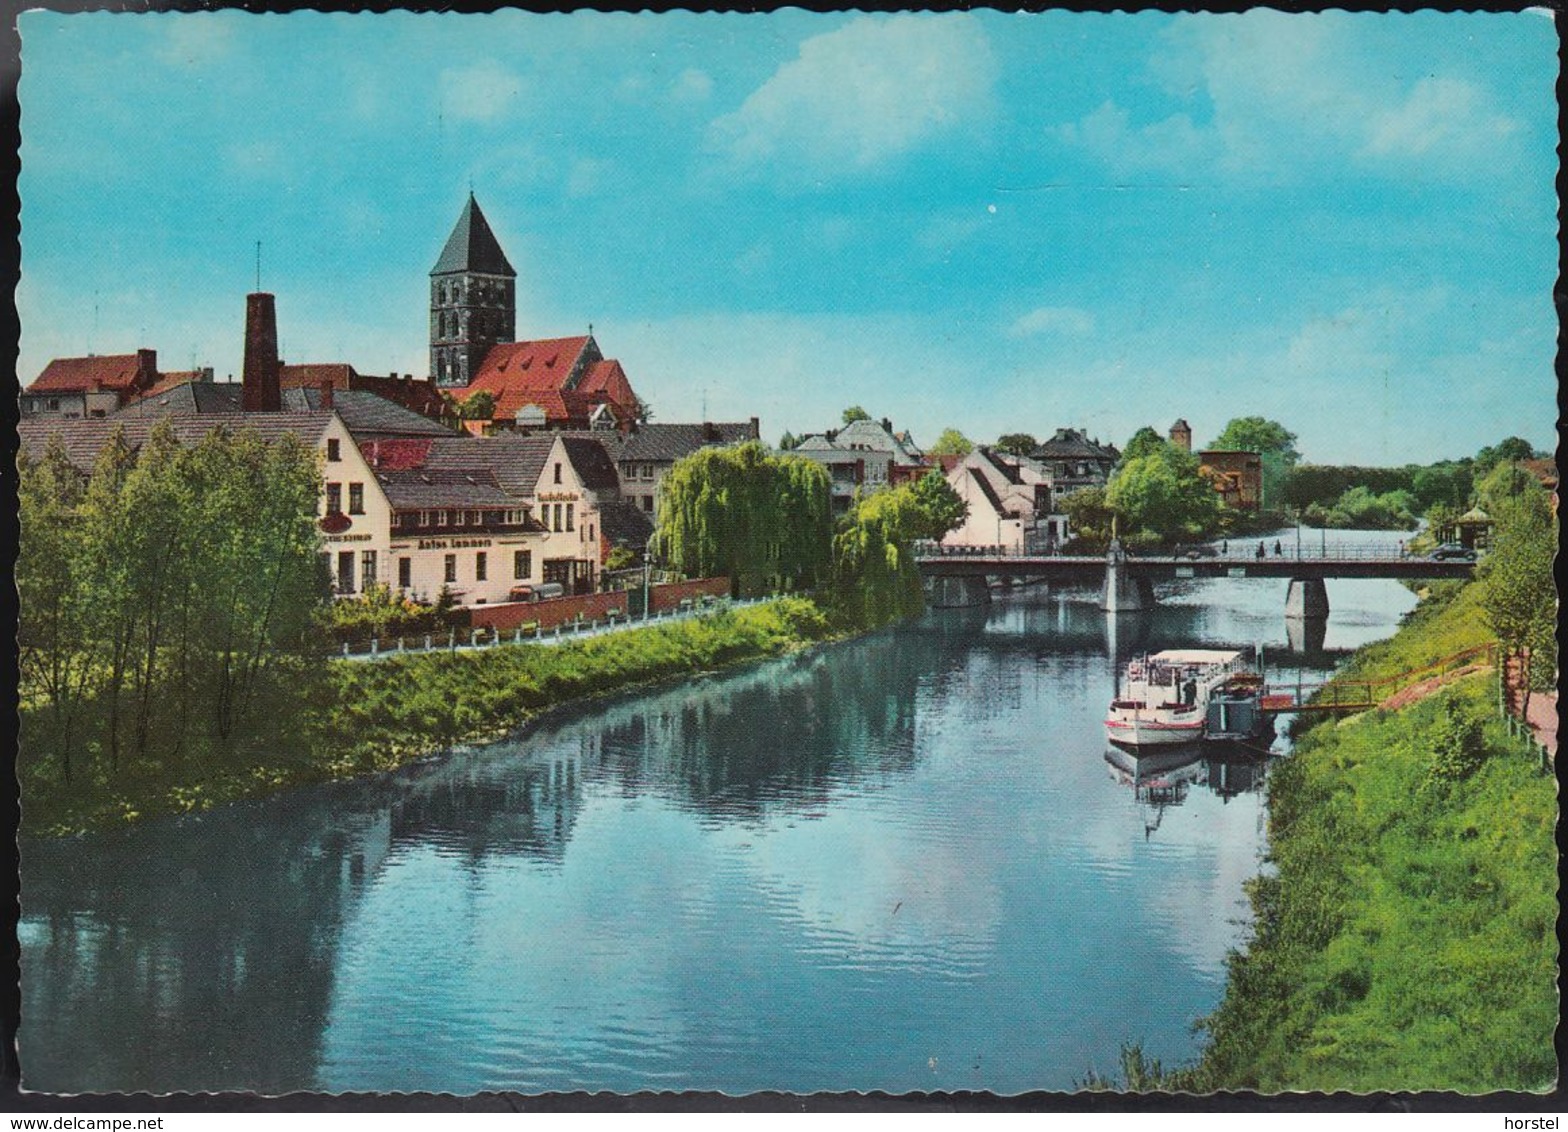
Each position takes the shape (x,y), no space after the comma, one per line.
(358,719)
(1404,938)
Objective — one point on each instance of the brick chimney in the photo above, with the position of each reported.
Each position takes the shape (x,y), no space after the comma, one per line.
(326,396)
(756,429)
(146,369)
(260,392)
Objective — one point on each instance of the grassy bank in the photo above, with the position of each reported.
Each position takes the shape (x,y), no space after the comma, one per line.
(1404,939)
(354,717)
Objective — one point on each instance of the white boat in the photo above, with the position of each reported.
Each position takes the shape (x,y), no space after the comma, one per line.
(1164,698)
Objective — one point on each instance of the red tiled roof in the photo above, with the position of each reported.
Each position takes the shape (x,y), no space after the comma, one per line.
(168,381)
(79,375)
(396,454)
(606,381)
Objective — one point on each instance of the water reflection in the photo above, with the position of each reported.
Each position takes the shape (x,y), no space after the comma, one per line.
(1160,777)
(893,863)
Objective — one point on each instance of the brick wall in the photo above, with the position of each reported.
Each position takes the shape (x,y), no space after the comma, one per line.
(592,607)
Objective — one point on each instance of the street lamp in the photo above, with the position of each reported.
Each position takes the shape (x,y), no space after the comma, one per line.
(647,561)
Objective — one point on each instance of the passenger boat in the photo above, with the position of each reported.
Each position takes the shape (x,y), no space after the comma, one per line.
(1183,696)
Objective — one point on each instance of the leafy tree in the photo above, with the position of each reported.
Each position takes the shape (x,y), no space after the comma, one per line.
(748,515)
(951,443)
(1446,484)
(939,507)
(620,558)
(1517,593)
(1163,494)
(1088,514)
(855,413)
(1144,442)
(1506,481)
(788,442)
(478,406)
(875,577)
(1359,508)
(1513,449)
(1017,444)
(1270,439)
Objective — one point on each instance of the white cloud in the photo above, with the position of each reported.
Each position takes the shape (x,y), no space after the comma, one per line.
(1071,321)
(865,93)
(692,85)
(481,92)
(1273,96)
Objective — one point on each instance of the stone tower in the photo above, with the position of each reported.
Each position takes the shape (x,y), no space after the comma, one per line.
(473,299)
(1181,435)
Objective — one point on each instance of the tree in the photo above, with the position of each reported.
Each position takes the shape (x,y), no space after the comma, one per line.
(951,443)
(1513,449)
(875,577)
(1163,494)
(478,406)
(855,413)
(1446,484)
(1017,444)
(788,442)
(1144,442)
(1517,592)
(1271,440)
(1506,481)
(1088,514)
(939,507)
(748,515)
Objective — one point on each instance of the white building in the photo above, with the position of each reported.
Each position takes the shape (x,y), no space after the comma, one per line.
(1009,499)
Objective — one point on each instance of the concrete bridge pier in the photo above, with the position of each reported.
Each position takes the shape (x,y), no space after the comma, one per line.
(1306,598)
(944,592)
(1123,592)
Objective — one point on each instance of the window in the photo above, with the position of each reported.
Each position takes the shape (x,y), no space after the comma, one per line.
(440,518)
(555,516)
(479,518)
(332,450)
(647,503)
(367,568)
(458,517)
(424,518)
(356,499)
(570,509)
(405,572)
(334,498)
(451,568)
(590,532)
(345,571)
(522,563)
(54,406)
(557,473)
(481,566)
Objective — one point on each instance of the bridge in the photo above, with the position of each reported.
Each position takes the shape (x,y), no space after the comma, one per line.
(956,576)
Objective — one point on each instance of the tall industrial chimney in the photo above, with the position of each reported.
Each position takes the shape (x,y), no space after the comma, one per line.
(259,389)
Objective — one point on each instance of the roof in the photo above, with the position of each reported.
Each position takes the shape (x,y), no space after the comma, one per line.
(187,398)
(366,414)
(171,380)
(624,523)
(1197,656)
(1008,471)
(987,490)
(516,461)
(592,463)
(1071,444)
(340,375)
(415,488)
(472,246)
(79,375)
(665,443)
(535,373)
(84,438)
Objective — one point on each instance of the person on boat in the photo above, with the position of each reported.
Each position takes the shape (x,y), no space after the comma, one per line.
(1261,552)
(1189,692)
(1278,550)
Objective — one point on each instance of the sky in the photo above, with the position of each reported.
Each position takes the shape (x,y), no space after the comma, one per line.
(990,221)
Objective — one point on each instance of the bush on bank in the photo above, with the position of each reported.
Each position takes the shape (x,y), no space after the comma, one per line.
(349,717)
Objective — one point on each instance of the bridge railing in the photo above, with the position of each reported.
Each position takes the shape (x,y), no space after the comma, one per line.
(1234,554)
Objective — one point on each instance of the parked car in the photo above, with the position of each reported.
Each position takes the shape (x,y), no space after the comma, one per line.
(1452,551)
(541,592)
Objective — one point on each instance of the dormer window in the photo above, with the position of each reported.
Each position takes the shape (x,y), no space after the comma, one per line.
(440,518)
(424,518)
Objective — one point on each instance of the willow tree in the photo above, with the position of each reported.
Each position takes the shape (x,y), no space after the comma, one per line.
(739,512)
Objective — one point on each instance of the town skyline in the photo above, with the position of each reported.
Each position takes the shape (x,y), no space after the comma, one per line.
(1324,220)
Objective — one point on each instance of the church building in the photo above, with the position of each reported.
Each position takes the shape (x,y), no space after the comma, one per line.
(556,383)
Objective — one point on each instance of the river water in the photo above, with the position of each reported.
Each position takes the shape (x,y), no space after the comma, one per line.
(901,863)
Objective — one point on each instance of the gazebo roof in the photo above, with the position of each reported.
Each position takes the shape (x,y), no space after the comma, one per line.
(1474,517)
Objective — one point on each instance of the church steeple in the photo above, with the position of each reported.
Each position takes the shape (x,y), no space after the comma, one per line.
(473,301)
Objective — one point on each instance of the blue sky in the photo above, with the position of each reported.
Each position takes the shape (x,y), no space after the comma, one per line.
(992,221)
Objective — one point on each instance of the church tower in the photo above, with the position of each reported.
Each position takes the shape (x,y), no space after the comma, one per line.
(473,300)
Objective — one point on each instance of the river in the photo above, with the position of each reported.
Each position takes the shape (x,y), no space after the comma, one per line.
(900,863)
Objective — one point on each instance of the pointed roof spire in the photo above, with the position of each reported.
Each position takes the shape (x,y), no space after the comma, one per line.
(472,246)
